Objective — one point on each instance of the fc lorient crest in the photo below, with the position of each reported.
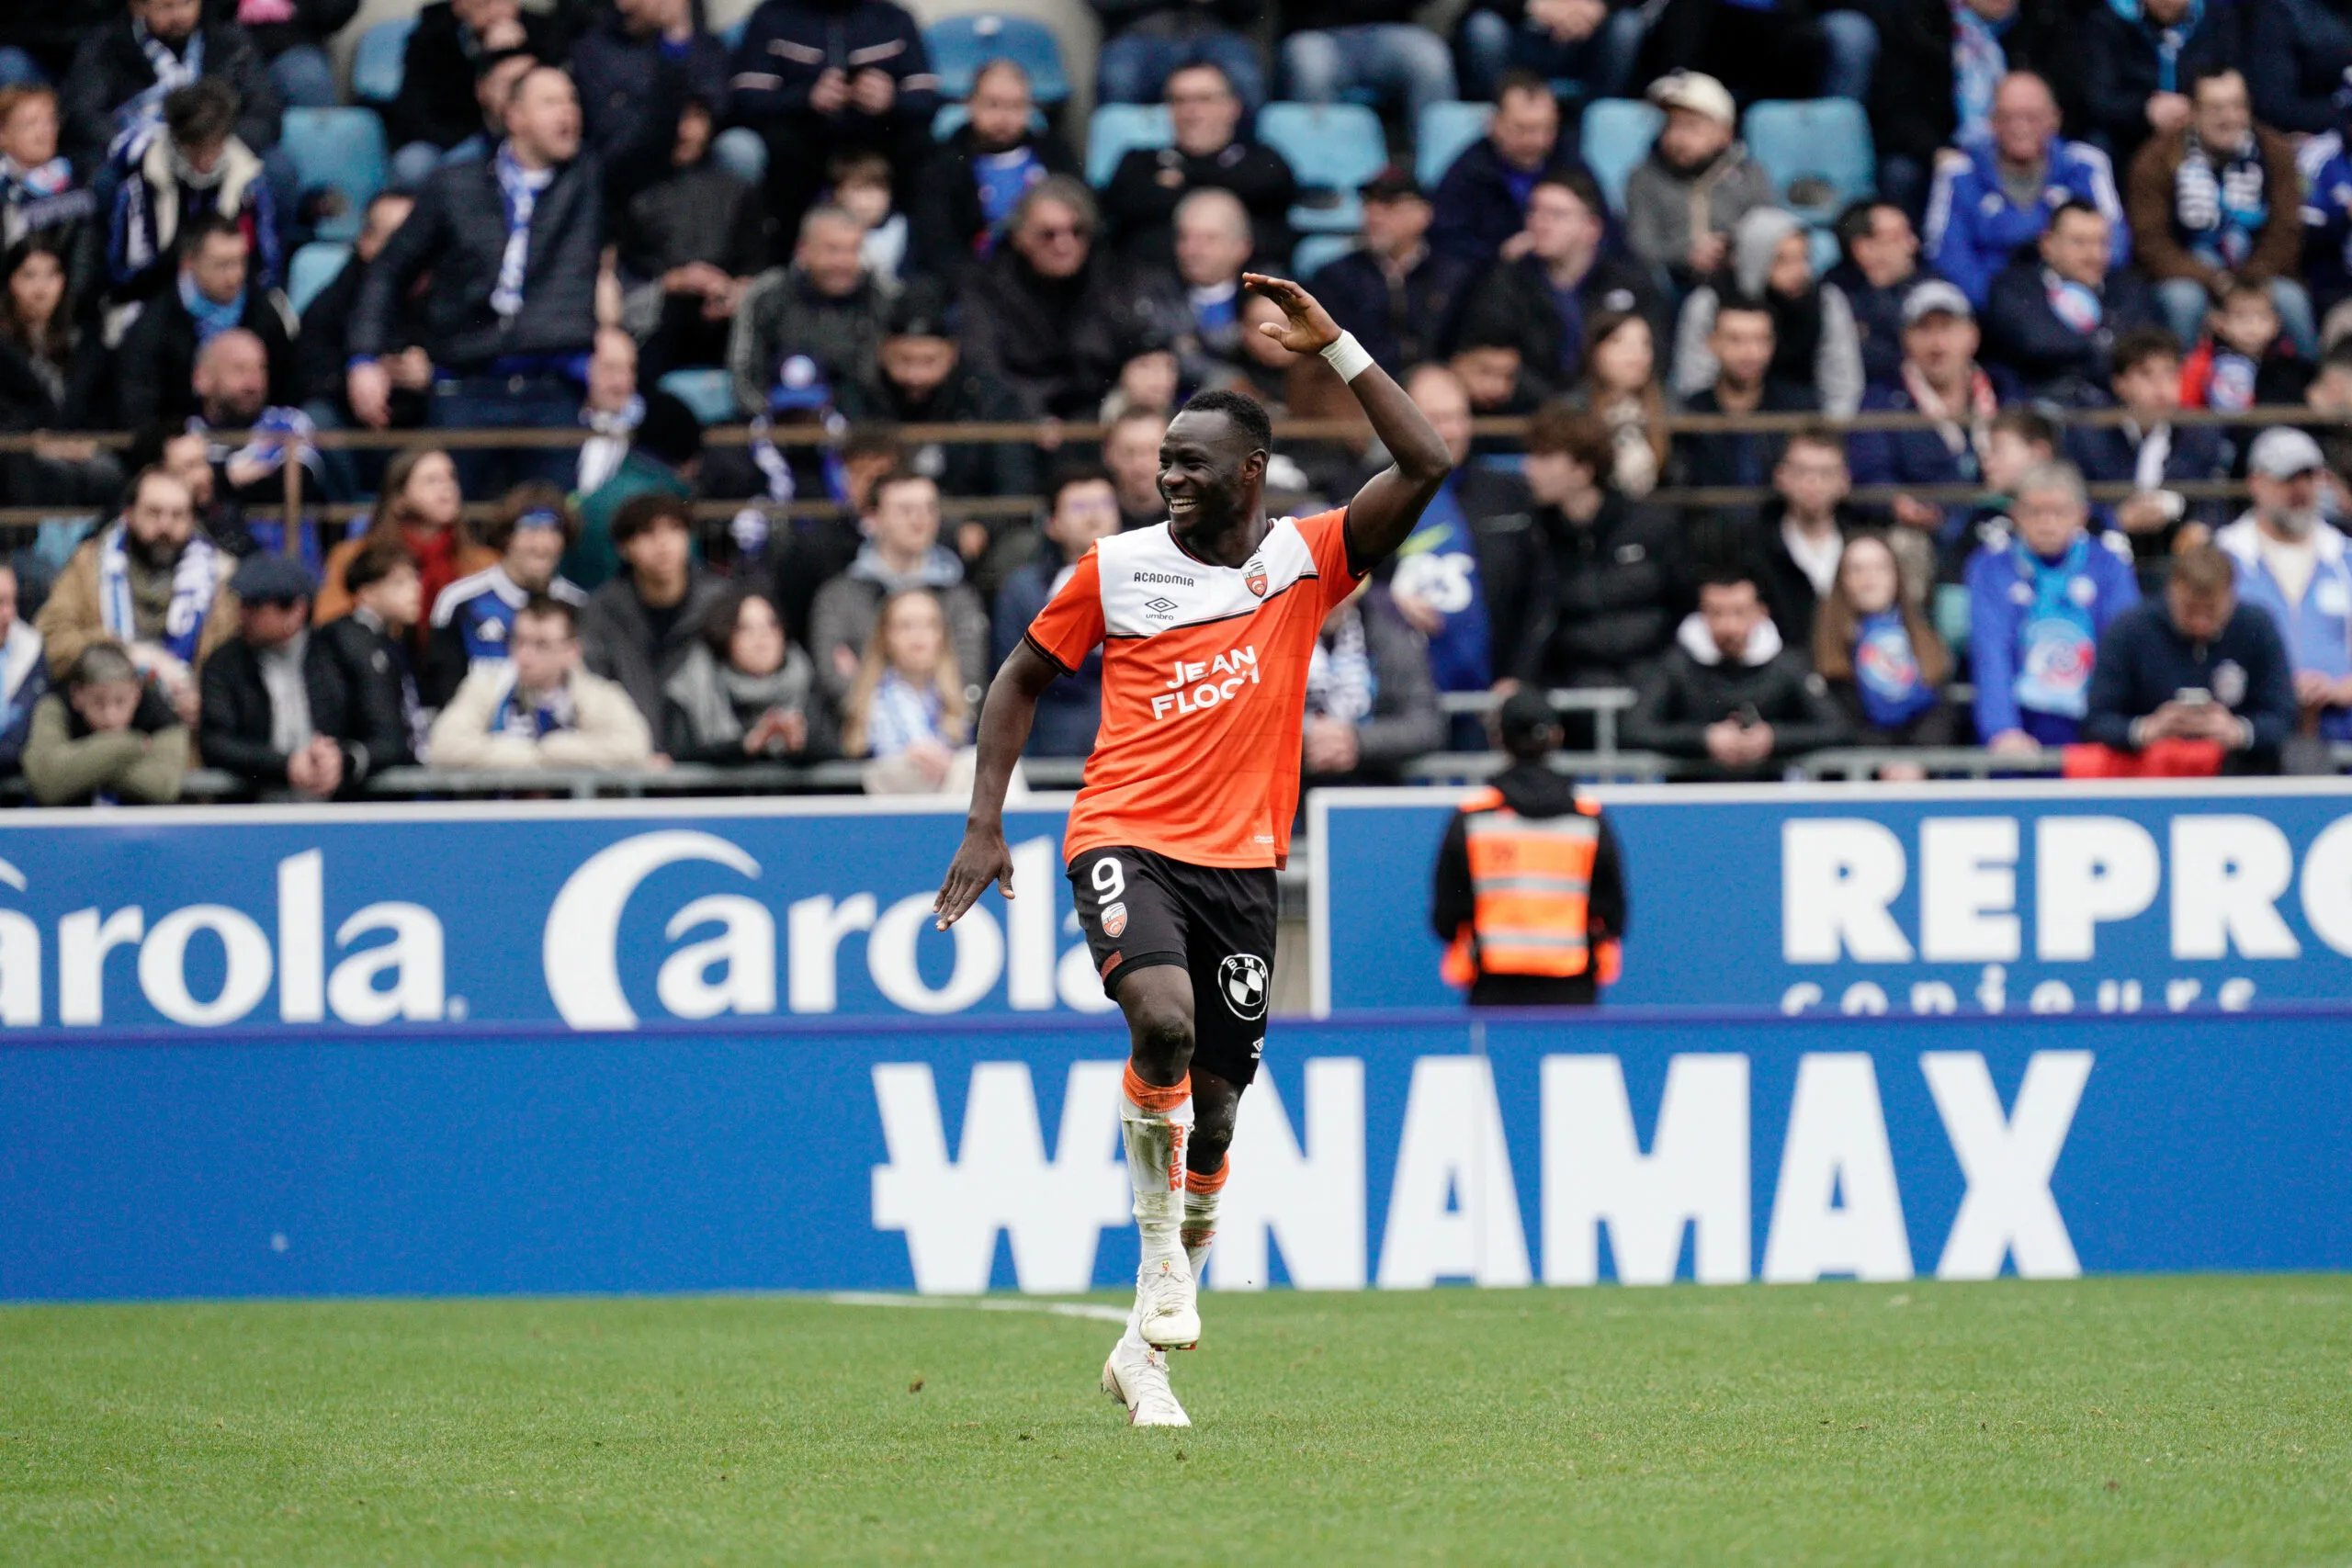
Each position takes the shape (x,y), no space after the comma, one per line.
(1255,579)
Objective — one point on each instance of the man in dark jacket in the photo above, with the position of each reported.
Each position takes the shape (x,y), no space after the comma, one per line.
(1140,202)
(1741,342)
(2149,451)
(308,711)
(1731,694)
(1793,549)
(322,350)
(1878,268)
(1479,204)
(1050,313)
(639,628)
(2196,665)
(513,246)
(454,43)
(924,380)
(1940,377)
(2295,53)
(690,243)
(122,72)
(818,78)
(644,54)
(160,353)
(1565,278)
(825,306)
(1484,954)
(2137,60)
(1396,294)
(1608,585)
(965,194)
(2052,321)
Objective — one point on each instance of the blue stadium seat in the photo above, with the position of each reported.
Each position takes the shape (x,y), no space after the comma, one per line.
(339,148)
(1118,129)
(1617,135)
(1317,252)
(1446,132)
(731,35)
(1333,148)
(1822,140)
(960,45)
(380,61)
(710,393)
(312,268)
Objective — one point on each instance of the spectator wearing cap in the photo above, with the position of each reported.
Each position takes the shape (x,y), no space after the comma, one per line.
(473,618)
(1396,292)
(1139,204)
(924,379)
(176,175)
(664,457)
(1730,694)
(638,58)
(1481,203)
(1698,182)
(637,627)
(2052,320)
(965,194)
(1878,267)
(1565,278)
(105,734)
(513,248)
(1590,42)
(288,709)
(1995,199)
(2039,596)
(1938,377)
(1051,315)
(539,708)
(449,55)
(124,70)
(821,78)
(2291,565)
(2217,201)
(215,302)
(1338,47)
(151,582)
(689,244)
(825,307)
(1815,346)
(1529,890)
(1145,42)
(2149,451)
(1081,510)
(901,552)
(2197,665)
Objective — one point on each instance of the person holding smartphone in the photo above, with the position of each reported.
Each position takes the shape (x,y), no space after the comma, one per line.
(2197,665)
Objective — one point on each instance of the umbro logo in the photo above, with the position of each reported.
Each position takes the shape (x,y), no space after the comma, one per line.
(1162,606)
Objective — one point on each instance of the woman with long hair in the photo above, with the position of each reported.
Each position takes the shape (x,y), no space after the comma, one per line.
(51,377)
(905,709)
(743,692)
(1883,663)
(420,507)
(1621,383)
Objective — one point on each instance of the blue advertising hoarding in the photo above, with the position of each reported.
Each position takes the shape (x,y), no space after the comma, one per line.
(2042,897)
(596,915)
(1396,1152)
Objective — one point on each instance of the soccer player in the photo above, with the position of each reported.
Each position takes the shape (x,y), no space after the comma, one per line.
(1207,623)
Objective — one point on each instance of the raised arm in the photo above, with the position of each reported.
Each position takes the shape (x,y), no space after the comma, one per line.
(1006,714)
(1391,502)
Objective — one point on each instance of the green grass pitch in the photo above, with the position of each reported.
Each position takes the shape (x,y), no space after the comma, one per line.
(2146,1420)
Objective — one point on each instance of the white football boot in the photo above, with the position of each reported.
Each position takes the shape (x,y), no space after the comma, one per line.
(1167,1311)
(1136,1376)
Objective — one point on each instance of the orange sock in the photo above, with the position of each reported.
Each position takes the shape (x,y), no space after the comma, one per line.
(1151,1097)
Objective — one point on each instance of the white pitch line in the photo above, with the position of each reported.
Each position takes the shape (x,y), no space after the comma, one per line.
(1088,1310)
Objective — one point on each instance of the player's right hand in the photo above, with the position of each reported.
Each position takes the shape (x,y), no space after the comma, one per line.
(983,858)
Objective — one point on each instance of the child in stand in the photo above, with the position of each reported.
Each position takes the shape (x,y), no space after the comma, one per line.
(905,709)
(2244,360)
(108,738)
(861,188)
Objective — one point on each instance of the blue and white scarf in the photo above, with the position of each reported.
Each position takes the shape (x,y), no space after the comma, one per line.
(520,187)
(2057,641)
(2076,305)
(901,715)
(213,318)
(172,72)
(194,582)
(2219,203)
(552,712)
(1886,671)
(1978,63)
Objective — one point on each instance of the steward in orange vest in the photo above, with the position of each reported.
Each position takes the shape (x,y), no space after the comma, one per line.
(1529,896)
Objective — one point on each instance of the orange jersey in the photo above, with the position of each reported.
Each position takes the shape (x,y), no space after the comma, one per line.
(1204,687)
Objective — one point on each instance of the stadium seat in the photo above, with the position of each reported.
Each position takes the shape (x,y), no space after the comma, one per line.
(1821,141)
(961,45)
(710,393)
(1617,135)
(343,149)
(312,268)
(380,61)
(1317,252)
(1445,133)
(1333,149)
(1117,129)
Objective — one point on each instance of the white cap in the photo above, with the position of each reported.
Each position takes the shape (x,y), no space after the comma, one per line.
(2283,452)
(1697,92)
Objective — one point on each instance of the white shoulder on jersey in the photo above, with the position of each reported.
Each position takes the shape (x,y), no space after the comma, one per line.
(1151,585)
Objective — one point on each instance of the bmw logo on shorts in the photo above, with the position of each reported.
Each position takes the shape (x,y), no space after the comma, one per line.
(1243,979)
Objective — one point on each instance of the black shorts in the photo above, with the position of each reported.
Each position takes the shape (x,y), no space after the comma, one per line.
(1140,909)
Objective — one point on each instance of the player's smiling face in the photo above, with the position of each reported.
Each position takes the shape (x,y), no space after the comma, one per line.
(1205,469)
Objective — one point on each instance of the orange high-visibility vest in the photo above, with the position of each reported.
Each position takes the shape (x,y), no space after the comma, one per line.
(1531,883)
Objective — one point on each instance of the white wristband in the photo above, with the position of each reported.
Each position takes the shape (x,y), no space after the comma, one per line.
(1348,357)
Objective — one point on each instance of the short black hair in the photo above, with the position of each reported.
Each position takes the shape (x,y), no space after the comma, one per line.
(719,622)
(1732,301)
(1070,474)
(641,513)
(374,563)
(1515,82)
(2028,424)
(2077,207)
(1729,574)
(547,607)
(900,475)
(212,225)
(1248,414)
(2136,348)
(1857,221)
(204,111)
(1580,185)
(2209,71)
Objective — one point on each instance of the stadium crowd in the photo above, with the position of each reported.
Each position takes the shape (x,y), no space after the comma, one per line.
(606,217)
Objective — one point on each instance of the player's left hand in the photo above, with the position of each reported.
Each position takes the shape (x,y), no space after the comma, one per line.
(984,857)
(1309,330)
